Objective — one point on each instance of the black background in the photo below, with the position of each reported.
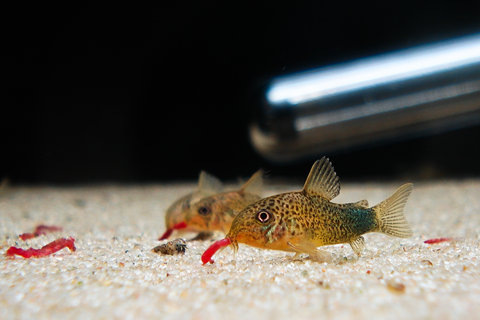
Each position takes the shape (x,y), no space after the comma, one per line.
(129,93)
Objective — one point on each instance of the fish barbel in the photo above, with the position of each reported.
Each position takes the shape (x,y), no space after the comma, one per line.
(302,221)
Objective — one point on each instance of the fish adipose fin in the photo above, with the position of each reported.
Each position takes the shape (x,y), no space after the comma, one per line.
(208,185)
(362,203)
(358,245)
(310,249)
(322,180)
(254,185)
(389,213)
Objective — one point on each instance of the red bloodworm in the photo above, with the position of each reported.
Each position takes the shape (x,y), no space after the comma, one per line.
(39,230)
(168,233)
(28,235)
(207,255)
(437,240)
(46,250)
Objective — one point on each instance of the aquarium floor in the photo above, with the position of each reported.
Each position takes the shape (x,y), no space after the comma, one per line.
(113,274)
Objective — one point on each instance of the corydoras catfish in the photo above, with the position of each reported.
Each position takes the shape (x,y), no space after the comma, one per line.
(216,212)
(175,215)
(304,220)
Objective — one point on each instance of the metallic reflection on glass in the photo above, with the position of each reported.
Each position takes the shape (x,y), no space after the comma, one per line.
(418,91)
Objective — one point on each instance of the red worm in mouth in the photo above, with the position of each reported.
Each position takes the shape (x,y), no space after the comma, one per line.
(168,233)
(39,230)
(437,240)
(46,250)
(207,255)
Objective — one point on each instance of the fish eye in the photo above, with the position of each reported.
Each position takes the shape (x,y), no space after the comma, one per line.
(263,216)
(203,210)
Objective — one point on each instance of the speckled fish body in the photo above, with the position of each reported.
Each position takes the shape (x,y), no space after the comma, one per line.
(304,220)
(298,218)
(201,212)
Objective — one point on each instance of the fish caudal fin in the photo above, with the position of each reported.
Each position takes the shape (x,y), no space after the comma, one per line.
(391,219)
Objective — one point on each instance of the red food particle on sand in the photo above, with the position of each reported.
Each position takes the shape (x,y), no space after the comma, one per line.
(168,233)
(437,240)
(46,250)
(39,230)
(207,255)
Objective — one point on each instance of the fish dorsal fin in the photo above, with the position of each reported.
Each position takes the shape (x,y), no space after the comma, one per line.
(207,185)
(322,180)
(362,203)
(254,185)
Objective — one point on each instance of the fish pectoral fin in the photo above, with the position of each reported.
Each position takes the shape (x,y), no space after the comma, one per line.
(208,185)
(322,180)
(296,257)
(358,245)
(362,203)
(254,185)
(310,249)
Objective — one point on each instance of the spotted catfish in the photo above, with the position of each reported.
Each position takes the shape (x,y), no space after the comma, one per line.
(216,212)
(175,216)
(302,221)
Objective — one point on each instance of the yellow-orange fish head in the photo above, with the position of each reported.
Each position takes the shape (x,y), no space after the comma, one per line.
(261,225)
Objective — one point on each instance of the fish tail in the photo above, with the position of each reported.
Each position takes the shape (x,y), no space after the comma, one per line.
(390,217)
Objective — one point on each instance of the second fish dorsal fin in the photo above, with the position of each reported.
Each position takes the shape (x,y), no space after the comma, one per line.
(322,180)
(208,184)
(254,185)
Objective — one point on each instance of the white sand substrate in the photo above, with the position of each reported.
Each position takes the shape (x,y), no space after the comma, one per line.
(114,275)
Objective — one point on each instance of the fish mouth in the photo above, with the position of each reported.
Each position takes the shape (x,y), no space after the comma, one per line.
(169,231)
(223,243)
